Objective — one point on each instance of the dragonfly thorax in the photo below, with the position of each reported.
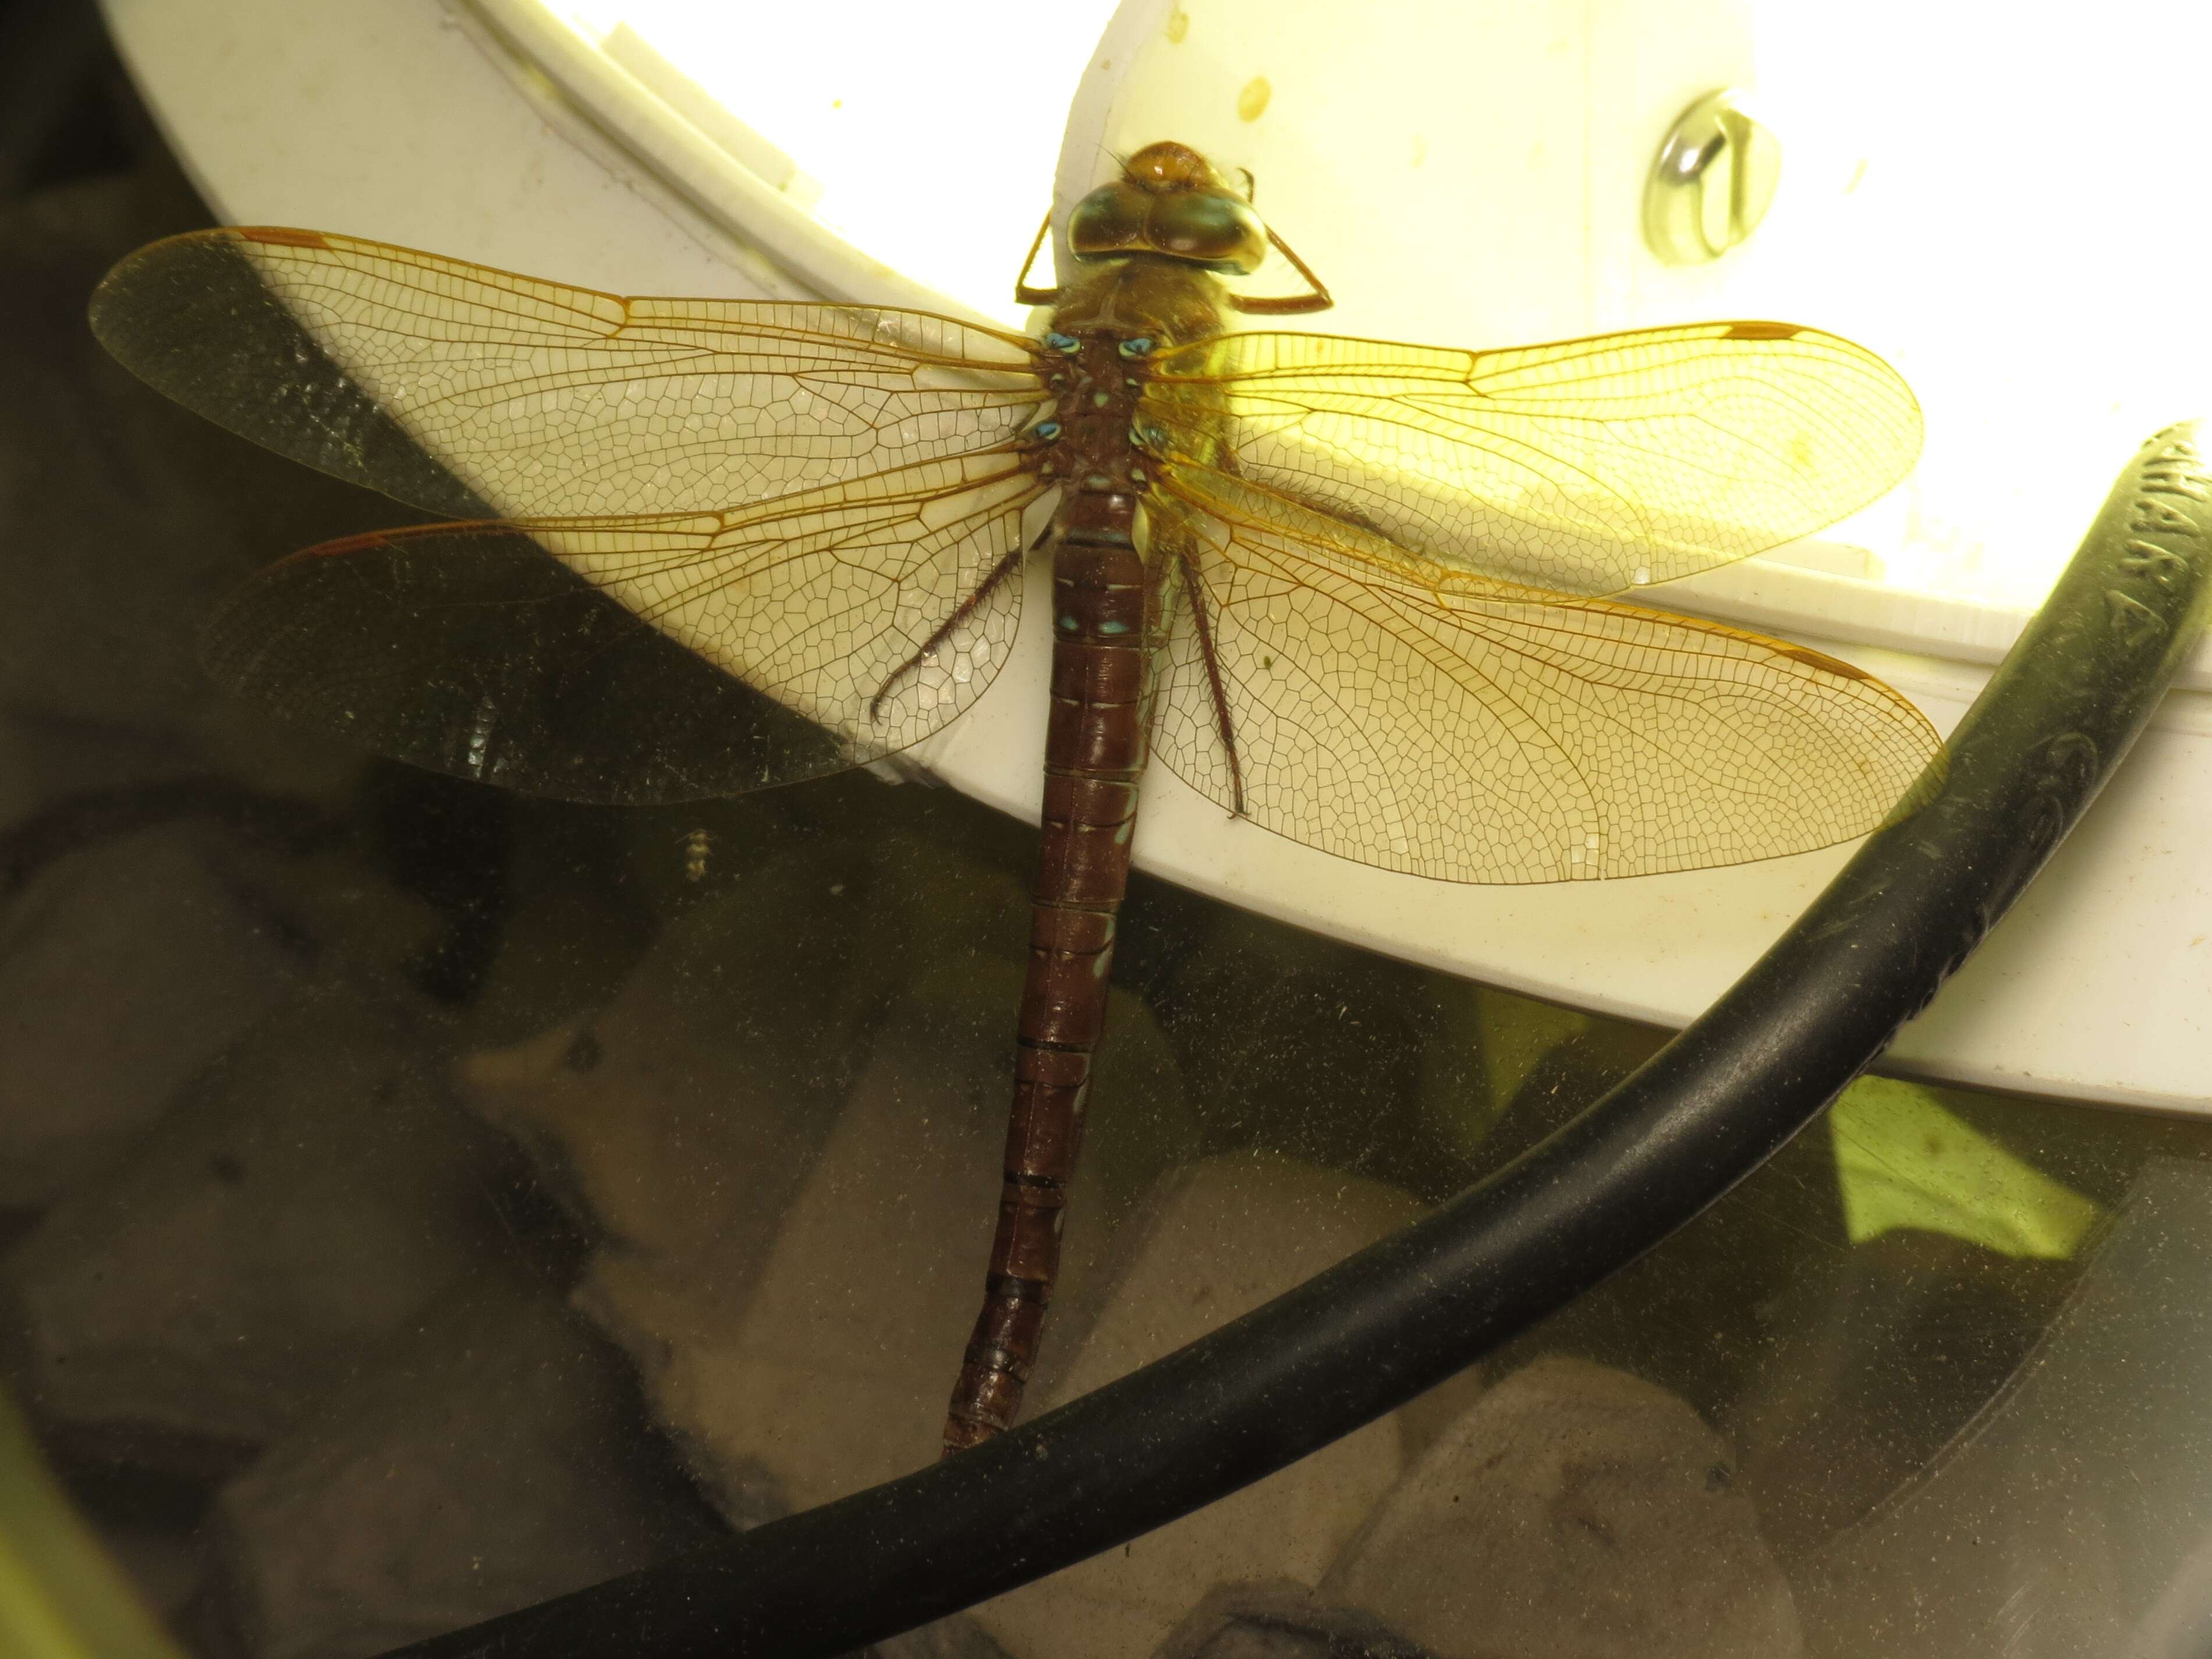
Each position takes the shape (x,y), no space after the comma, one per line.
(1111,326)
(1092,438)
(1140,296)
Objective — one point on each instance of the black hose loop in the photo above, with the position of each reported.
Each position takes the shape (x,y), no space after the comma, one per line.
(1364,1337)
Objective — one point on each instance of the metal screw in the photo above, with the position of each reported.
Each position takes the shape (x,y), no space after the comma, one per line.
(1712,182)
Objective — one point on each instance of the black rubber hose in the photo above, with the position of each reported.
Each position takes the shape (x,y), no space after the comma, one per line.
(1371,1333)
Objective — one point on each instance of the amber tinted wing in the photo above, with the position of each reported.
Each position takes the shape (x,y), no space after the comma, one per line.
(655,658)
(1452,725)
(472,391)
(1588,466)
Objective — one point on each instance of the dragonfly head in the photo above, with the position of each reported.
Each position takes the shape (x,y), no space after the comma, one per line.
(1169,201)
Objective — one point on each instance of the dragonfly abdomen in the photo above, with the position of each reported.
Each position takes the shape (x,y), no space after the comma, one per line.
(1105,620)
(1095,749)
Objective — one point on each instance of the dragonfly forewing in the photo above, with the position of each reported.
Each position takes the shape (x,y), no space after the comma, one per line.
(1585,467)
(471,392)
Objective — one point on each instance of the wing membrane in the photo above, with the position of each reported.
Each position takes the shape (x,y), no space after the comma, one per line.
(660,658)
(1586,467)
(472,391)
(1451,725)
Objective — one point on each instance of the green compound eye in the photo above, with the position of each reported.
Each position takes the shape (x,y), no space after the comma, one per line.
(1137,348)
(1059,342)
(1046,431)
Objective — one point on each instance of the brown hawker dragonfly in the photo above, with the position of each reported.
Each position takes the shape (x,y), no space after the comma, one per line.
(1352,591)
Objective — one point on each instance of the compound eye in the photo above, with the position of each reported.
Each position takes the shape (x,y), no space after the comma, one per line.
(1110,220)
(1210,229)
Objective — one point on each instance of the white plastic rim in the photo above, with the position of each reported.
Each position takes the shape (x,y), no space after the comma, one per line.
(413,122)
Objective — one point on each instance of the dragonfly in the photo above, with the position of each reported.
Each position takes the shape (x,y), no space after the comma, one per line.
(1361,595)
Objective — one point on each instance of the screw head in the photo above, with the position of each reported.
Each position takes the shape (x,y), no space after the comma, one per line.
(1712,182)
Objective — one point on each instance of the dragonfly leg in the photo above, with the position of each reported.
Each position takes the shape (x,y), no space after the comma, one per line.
(1198,612)
(1287,305)
(1023,293)
(967,608)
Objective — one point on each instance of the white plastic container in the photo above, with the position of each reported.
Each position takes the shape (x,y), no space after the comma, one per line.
(1466,176)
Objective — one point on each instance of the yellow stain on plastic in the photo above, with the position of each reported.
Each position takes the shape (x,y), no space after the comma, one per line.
(1903,1160)
(1252,102)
